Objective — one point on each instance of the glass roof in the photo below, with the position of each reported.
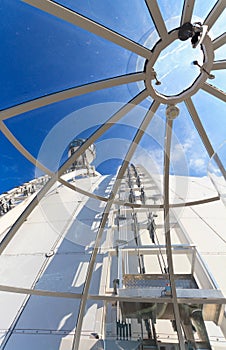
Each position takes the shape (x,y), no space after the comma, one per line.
(108,51)
(120,76)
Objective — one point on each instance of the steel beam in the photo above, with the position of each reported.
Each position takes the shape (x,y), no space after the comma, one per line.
(157,18)
(169,125)
(215,13)
(187,11)
(69,93)
(145,123)
(83,22)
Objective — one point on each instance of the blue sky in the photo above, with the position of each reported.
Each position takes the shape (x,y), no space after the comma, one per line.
(41,54)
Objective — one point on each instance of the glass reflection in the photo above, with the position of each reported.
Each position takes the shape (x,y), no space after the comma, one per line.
(216,171)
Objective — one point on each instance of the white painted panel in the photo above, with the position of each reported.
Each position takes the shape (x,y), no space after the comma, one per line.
(214,215)
(33,238)
(80,232)
(55,210)
(96,276)
(39,342)
(50,314)
(20,270)
(80,275)
(89,319)
(203,235)
(10,303)
(217,265)
(92,318)
(70,246)
(65,272)
(2,336)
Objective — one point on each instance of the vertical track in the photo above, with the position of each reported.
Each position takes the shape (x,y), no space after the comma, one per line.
(169,126)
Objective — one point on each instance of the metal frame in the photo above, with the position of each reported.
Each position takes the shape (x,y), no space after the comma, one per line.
(187,11)
(151,56)
(104,297)
(169,126)
(106,212)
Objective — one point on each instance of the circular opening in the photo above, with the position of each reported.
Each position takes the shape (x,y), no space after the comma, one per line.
(175,69)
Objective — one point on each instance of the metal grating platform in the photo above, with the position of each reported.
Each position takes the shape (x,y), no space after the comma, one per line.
(155,281)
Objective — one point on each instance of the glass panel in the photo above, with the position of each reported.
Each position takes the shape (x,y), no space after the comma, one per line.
(202,9)
(57,125)
(171,12)
(220,79)
(53,249)
(218,27)
(188,151)
(38,45)
(212,114)
(175,64)
(10,169)
(220,53)
(216,168)
(129,19)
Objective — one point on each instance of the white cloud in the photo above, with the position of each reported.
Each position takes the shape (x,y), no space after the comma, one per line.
(151,160)
(198,164)
(189,156)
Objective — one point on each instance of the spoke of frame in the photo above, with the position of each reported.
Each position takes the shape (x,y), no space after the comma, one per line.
(221,64)
(27,211)
(199,127)
(104,219)
(34,161)
(108,298)
(219,41)
(160,206)
(156,15)
(137,206)
(11,233)
(169,126)
(214,91)
(107,125)
(23,150)
(89,25)
(70,93)
(110,122)
(80,190)
(215,13)
(53,98)
(187,11)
